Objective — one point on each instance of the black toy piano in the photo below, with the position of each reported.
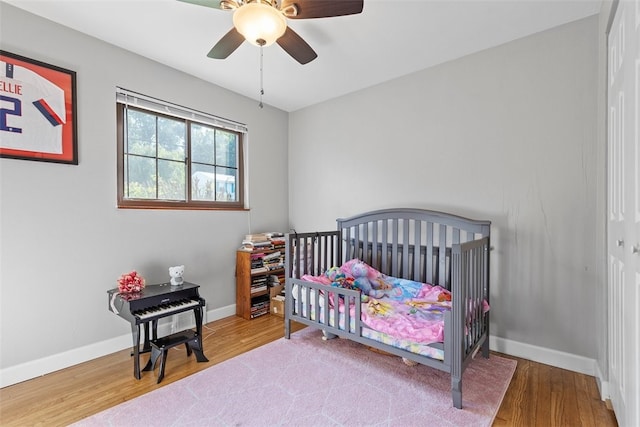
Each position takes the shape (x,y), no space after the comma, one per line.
(151,304)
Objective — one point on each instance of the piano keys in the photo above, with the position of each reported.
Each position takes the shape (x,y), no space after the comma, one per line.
(155,302)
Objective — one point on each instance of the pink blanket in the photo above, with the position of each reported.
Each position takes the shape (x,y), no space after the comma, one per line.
(402,308)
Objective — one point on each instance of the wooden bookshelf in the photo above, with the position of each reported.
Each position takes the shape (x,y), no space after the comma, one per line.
(252,282)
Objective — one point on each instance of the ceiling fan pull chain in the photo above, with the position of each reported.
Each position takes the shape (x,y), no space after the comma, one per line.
(261,80)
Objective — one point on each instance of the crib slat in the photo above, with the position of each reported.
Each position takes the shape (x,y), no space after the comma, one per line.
(442,256)
(385,246)
(429,253)
(404,271)
(374,245)
(394,247)
(325,308)
(365,242)
(336,311)
(348,300)
(308,256)
(418,274)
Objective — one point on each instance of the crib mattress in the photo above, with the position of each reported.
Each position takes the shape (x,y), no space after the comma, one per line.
(421,348)
(398,312)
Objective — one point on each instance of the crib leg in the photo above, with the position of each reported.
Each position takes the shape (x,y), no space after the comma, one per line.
(485,348)
(456,392)
(328,335)
(287,328)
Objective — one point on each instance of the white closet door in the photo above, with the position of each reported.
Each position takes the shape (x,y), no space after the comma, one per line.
(624,212)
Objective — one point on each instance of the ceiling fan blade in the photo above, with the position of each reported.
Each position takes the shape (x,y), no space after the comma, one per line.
(227,44)
(307,9)
(216,4)
(295,46)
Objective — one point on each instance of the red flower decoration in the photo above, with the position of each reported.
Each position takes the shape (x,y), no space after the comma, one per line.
(130,282)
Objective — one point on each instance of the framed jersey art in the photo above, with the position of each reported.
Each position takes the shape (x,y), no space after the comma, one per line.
(37,110)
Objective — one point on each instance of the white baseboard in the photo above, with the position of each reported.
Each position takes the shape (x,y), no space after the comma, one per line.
(603,386)
(556,358)
(46,365)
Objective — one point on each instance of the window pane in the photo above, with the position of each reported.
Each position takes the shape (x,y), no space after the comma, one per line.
(141,174)
(202,143)
(203,182)
(171,180)
(168,161)
(141,133)
(171,139)
(226,179)
(226,149)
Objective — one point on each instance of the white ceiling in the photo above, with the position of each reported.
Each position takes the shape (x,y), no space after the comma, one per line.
(390,38)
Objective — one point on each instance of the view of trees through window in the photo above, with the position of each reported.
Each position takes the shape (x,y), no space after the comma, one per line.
(160,153)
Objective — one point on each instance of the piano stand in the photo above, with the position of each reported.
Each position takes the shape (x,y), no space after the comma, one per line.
(160,347)
(146,346)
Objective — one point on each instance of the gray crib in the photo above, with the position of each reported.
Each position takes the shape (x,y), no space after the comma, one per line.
(421,245)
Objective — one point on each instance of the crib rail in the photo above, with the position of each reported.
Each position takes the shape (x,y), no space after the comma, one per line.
(470,293)
(312,253)
(334,310)
(468,330)
(410,243)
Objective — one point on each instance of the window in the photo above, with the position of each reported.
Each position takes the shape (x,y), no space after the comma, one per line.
(175,158)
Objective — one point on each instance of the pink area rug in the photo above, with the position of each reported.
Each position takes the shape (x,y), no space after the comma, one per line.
(306,381)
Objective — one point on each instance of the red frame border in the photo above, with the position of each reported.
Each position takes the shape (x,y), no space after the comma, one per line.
(66,80)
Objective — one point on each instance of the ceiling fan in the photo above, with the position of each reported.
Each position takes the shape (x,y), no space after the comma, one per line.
(263,22)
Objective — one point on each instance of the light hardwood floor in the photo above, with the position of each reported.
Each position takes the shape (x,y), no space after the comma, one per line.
(539,395)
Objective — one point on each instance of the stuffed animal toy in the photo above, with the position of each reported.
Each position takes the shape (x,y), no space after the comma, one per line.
(334,274)
(359,269)
(364,285)
(338,279)
(361,273)
(176,275)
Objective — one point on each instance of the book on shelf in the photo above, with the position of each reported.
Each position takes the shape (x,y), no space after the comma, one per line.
(272,256)
(260,301)
(260,310)
(262,241)
(258,237)
(252,246)
(260,313)
(274,234)
(266,243)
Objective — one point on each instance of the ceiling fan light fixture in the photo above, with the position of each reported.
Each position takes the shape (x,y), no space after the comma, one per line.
(259,23)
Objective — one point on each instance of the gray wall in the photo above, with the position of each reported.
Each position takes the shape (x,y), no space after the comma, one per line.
(64,242)
(508,134)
